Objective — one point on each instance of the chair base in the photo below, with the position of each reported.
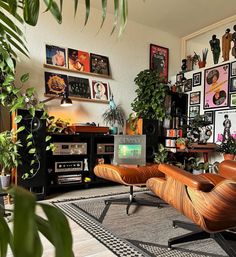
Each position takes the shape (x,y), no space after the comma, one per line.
(197,234)
(131,200)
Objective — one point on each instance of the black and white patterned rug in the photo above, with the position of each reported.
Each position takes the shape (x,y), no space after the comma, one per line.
(144,233)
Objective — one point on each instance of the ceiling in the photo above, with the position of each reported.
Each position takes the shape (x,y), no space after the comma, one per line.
(178,17)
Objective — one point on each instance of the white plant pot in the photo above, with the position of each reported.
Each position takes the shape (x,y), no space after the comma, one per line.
(5,181)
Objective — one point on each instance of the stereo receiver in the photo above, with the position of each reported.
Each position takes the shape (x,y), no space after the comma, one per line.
(105,148)
(69,166)
(70,148)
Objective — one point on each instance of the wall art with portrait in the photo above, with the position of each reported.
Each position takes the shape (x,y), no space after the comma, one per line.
(232,100)
(195,97)
(78,60)
(233,69)
(232,86)
(216,87)
(209,116)
(99,64)
(55,83)
(197,79)
(224,124)
(159,60)
(194,110)
(100,90)
(56,56)
(187,85)
(79,87)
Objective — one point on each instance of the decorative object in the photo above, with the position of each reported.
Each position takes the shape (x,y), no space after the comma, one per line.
(209,116)
(197,79)
(79,87)
(199,130)
(216,87)
(189,63)
(149,84)
(197,58)
(215,48)
(234,41)
(232,86)
(159,60)
(233,100)
(195,97)
(114,116)
(99,64)
(78,60)
(100,90)
(228,148)
(194,110)
(56,56)
(187,85)
(223,128)
(226,44)
(233,69)
(55,84)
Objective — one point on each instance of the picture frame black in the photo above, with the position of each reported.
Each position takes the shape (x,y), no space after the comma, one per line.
(195,98)
(233,69)
(179,77)
(99,64)
(232,85)
(194,110)
(232,100)
(197,79)
(55,84)
(79,87)
(188,85)
(209,116)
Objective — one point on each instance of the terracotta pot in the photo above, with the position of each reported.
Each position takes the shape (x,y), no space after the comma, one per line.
(181,146)
(228,156)
(201,64)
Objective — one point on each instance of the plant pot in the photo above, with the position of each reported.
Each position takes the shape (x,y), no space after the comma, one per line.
(228,156)
(201,64)
(5,181)
(180,146)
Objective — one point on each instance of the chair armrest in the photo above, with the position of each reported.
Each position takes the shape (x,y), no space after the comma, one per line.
(227,169)
(187,178)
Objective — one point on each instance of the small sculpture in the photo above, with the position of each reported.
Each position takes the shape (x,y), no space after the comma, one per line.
(226,44)
(234,40)
(215,48)
(184,65)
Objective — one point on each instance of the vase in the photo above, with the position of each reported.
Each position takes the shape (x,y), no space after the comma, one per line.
(228,156)
(201,64)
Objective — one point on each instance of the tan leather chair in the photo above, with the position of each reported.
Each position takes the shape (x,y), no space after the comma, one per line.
(129,176)
(209,200)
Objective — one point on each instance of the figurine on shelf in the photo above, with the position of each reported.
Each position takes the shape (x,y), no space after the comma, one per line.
(226,44)
(234,40)
(184,65)
(215,48)
(189,63)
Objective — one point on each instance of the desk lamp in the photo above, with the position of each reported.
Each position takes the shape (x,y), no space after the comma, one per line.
(65,101)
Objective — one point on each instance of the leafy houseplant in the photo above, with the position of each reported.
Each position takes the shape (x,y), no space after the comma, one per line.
(228,148)
(162,155)
(151,93)
(181,143)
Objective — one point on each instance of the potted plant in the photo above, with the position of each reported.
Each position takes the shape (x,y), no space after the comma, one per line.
(227,148)
(9,157)
(162,155)
(114,116)
(181,143)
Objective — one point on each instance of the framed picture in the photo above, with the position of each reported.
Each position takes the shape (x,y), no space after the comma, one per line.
(78,60)
(233,69)
(225,124)
(159,60)
(55,84)
(99,64)
(56,55)
(100,90)
(179,77)
(187,85)
(195,97)
(216,87)
(79,87)
(194,110)
(232,100)
(232,86)
(197,79)
(209,116)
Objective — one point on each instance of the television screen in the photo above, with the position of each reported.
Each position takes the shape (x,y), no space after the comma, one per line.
(130,149)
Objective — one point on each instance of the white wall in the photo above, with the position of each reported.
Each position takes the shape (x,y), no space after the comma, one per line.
(127,55)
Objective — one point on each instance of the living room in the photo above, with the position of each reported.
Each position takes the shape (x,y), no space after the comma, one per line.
(179,33)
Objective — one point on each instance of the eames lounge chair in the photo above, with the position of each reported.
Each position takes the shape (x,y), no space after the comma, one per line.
(129,176)
(209,200)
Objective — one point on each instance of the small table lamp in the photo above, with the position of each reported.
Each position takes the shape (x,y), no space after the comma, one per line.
(65,101)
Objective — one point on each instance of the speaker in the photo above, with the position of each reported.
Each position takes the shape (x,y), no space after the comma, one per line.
(36,181)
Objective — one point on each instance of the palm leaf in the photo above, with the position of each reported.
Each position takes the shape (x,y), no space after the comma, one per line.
(75,6)
(104,11)
(87,6)
(116,9)
(31,11)
(54,9)
(123,15)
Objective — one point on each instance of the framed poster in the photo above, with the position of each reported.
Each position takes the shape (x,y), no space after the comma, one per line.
(100,90)
(226,123)
(232,86)
(78,60)
(232,100)
(99,64)
(194,110)
(233,69)
(216,87)
(179,77)
(79,87)
(159,60)
(209,116)
(55,84)
(56,55)
(197,79)
(187,85)
(195,97)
